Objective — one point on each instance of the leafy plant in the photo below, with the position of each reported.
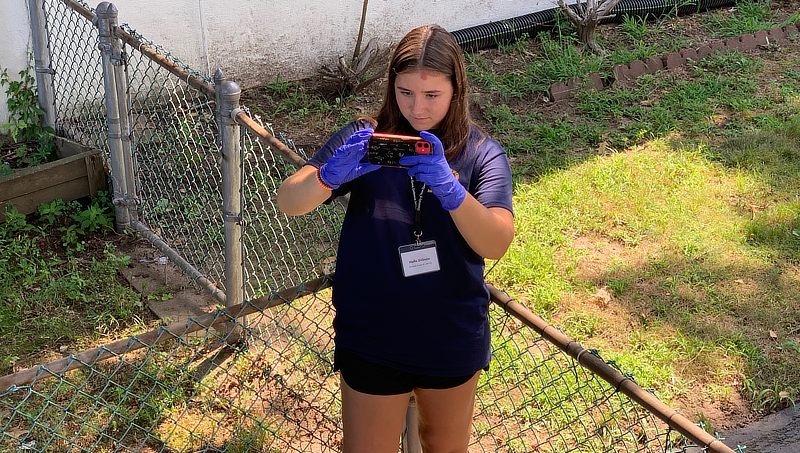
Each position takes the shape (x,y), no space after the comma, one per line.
(94,219)
(49,212)
(25,118)
(23,105)
(5,169)
(97,217)
(635,28)
(364,69)
(38,276)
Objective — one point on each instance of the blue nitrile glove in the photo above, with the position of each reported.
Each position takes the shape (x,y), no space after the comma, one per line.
(345,163)
(434,171)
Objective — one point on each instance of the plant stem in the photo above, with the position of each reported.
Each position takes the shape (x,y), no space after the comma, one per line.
(360,30)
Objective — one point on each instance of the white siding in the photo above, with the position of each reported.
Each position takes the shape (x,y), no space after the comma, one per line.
(255,41)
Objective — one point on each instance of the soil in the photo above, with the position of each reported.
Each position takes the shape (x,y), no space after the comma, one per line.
(16,155)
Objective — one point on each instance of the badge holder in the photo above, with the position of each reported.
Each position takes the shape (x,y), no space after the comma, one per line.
(419,258)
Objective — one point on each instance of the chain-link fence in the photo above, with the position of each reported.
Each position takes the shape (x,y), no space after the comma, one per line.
(77,75)
(199,180)
(293,250)
(178,173)
(168,391)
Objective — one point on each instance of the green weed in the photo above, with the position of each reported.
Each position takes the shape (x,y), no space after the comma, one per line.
(556,60)
(258,436)
(5,169)
(53,296)
(751,16)
(518,46)
(508,84)
(296,101)
(560,60)
(634,28)
(37,145)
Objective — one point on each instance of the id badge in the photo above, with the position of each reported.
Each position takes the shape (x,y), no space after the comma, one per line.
(419,258)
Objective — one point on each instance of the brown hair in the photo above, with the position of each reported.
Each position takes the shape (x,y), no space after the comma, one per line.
(433,48)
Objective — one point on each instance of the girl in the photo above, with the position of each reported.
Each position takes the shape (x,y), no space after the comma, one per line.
(411,303)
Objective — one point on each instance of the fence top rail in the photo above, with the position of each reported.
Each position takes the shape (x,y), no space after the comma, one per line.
(193,78)
(263,134)
(183,72)
(80,8)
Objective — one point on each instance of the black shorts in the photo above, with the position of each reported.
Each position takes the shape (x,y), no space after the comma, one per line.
(374,379)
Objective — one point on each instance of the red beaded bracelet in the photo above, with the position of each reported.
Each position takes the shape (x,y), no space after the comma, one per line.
(320,181)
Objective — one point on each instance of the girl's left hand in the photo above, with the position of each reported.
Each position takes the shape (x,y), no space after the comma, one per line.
(434,171)
(345,165)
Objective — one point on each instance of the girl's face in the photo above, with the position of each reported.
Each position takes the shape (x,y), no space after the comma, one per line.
(423,97)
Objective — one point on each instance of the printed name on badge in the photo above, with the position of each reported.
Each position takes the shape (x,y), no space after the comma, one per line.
(419,258)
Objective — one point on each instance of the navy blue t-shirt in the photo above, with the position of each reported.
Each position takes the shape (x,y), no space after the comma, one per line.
(435,323)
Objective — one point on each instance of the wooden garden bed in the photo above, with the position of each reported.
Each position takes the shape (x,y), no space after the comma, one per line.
(78,175)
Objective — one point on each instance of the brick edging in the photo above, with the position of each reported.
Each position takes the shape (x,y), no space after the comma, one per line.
(631,71)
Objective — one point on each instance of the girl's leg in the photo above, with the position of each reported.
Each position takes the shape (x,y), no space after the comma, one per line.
(372,423)
(445,417)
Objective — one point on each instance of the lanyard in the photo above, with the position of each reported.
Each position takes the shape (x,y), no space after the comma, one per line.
(417,196)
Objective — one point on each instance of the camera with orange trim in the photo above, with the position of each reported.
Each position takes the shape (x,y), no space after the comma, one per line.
(388,149)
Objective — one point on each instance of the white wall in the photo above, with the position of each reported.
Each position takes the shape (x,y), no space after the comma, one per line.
(15,32)
(255,41)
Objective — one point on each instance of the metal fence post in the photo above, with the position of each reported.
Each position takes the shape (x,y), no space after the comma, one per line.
(41,58)
(120,66)
(227,99)
(105,20)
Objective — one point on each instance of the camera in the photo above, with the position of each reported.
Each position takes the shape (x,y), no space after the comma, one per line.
(388,149)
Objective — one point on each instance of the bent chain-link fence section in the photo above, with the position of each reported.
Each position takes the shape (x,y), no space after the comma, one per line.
(184,387)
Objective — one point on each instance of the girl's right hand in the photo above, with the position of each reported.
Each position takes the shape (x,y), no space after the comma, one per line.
(433,170)
(345,165)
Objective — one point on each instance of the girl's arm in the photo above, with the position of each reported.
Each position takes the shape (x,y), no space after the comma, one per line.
(301,193)
(309,187)
(489,231)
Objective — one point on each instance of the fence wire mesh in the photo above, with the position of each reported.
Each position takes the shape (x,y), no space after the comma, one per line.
(177,160)
(191,393)
(281,251)
(77,74)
